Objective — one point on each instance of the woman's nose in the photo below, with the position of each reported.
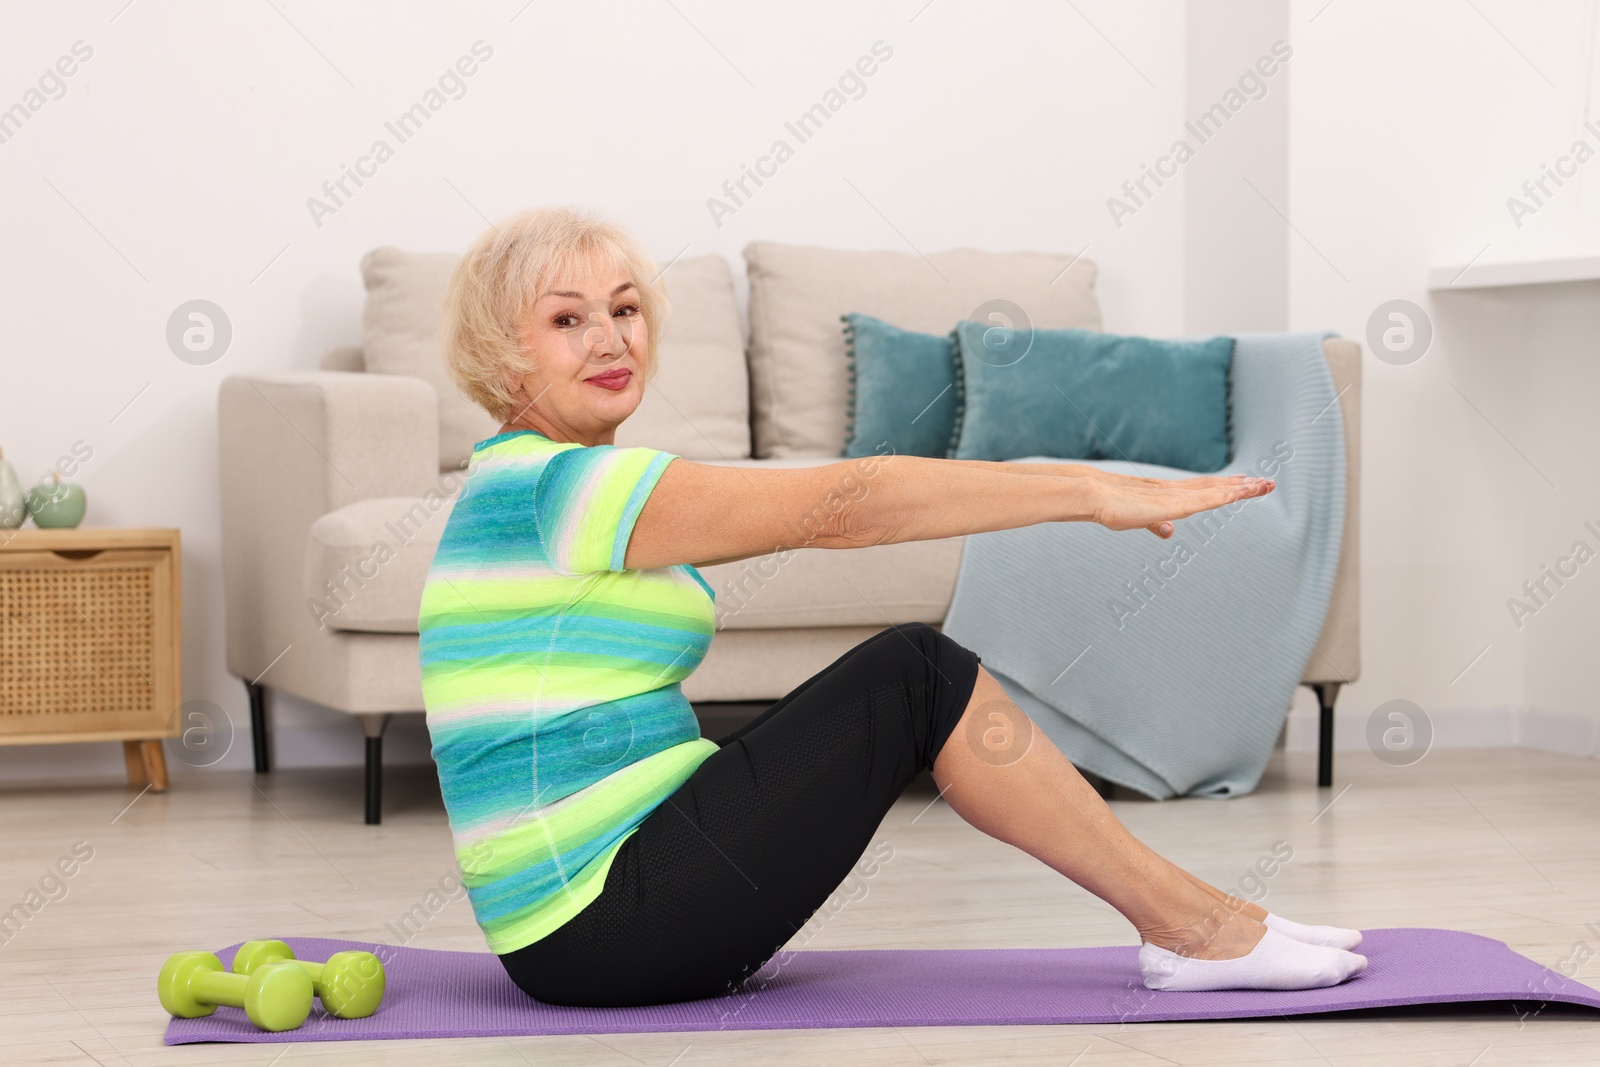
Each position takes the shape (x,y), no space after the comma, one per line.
(602,337)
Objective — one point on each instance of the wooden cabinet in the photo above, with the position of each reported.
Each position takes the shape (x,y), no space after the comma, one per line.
(91,641)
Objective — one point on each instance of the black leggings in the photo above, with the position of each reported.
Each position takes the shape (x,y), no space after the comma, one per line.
(733,863)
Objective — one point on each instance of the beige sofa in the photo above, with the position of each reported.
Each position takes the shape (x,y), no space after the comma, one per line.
(336,483)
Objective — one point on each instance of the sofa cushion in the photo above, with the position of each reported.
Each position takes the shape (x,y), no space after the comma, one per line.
(400,331)
(366,562)
(881,585)
(798,371)
(696,406)
(902,391)
(1083,394)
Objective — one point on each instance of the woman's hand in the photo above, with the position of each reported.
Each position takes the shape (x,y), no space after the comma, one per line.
(1152,504)
(1202,481)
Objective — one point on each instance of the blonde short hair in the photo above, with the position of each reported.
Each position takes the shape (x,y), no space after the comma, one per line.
(494,286)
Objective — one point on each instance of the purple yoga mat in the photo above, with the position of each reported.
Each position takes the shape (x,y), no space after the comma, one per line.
(467,994)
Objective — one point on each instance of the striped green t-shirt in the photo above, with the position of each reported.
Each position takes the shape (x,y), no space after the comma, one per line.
(550,675)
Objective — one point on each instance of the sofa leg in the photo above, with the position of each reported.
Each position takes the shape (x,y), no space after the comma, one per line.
(258,726)
(1327,696)
(373,726)
(374,781)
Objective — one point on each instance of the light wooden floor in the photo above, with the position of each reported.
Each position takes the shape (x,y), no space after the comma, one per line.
(1500,842)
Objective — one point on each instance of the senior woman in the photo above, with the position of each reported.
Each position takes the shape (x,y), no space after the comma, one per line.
(612,855)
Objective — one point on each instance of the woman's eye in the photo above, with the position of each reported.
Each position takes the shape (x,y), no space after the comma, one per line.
(565,319)
(628,310)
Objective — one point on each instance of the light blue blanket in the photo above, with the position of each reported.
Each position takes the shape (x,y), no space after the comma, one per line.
(1169,666)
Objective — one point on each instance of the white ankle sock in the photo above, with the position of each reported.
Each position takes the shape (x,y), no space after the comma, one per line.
(1328,936)
(1277,962)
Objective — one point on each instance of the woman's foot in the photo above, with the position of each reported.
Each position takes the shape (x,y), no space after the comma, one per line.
(1276,962)
(1325,936)
(1208,944)
(1208,930)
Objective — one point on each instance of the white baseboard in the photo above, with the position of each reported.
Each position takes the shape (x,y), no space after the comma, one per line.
(336,742)
(405,743)
(1548,731)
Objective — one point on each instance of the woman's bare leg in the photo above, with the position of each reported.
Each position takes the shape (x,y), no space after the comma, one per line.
(1001,774)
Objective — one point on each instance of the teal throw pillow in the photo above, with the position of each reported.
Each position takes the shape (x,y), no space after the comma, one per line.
(902,397)
(1082,394)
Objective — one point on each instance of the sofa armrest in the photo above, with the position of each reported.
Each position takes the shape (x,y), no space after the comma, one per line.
(1337,655)
(293,447)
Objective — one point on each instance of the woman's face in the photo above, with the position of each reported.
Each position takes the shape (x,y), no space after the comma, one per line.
(587,339)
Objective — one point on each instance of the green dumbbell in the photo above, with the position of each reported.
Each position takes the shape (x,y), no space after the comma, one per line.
(350,984)
(192,984)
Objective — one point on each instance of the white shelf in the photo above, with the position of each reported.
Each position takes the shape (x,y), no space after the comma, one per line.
(1530,272)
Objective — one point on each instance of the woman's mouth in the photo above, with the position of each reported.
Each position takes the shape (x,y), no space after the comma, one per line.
(613,380)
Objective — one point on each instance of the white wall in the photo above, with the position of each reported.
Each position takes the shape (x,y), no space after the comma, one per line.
(178,164)
(179,161)
(1239,55)
(1410,126)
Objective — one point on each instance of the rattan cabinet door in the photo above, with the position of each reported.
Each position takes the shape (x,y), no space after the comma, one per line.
(87,643)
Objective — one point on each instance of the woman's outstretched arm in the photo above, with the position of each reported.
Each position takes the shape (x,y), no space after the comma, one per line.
(922,499)
(701,513)
(1084,470)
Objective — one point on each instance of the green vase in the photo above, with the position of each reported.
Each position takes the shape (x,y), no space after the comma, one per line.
(13,507)
(56,505)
